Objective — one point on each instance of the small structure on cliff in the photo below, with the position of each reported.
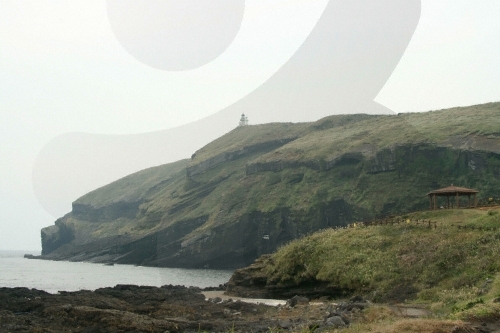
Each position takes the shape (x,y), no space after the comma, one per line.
(243,120)
(453,192)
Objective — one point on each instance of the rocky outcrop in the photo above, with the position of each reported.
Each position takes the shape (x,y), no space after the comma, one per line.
(176,309)
(128,308)
(252,281)
(55,236)
(474,143)
(351,158)
(383,161)
(109,212)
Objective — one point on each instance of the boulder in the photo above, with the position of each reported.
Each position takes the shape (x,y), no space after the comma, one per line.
(297,300)
(335,322)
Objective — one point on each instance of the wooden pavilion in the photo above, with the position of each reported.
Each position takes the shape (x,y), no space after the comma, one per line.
(450,192)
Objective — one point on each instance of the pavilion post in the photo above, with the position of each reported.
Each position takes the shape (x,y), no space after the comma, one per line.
(475,200)
(458,201)
(469,201)
(448,202)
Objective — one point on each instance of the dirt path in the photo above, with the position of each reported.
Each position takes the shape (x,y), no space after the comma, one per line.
(221,295)
(401,310)
(409,311)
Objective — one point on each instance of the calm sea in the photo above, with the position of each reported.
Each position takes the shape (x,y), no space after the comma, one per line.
(54,276)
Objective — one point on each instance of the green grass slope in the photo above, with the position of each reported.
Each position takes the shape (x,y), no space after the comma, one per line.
(453,266)
(134,187)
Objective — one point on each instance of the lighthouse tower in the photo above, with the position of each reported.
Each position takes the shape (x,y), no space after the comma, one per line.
(243,120)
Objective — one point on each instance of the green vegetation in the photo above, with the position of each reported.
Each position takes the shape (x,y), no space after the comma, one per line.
(416,172)
(286,180)
(455,270)
(335,135)
(133,187)
(245,136)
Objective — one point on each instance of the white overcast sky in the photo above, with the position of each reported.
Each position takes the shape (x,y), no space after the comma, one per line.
(63,70)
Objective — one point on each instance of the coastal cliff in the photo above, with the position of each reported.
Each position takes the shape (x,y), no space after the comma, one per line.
(259,187)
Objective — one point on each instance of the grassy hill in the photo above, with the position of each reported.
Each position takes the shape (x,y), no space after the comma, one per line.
(453,266)
(281,181)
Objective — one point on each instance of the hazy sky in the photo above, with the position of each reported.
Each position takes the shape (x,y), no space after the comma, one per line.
(68,67)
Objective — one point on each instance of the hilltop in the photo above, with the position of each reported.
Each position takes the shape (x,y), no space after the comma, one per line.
(259,187)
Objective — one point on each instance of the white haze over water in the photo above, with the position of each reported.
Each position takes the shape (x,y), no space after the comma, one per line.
(54,276)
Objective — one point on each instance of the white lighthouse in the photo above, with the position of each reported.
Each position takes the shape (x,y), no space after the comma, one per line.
(243,120)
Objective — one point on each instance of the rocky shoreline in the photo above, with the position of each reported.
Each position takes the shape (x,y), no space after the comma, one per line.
(129,308)
(248,302)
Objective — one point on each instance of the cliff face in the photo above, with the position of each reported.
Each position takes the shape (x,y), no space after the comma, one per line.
(55,236)
(258,187)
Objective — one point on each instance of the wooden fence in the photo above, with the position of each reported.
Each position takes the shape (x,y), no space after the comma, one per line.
(421,222)
(391,221)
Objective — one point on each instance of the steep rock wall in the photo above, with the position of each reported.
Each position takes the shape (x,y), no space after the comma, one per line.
(254,234)
(55,236)
(107,213)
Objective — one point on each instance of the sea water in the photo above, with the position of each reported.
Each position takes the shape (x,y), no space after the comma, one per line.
(54,276)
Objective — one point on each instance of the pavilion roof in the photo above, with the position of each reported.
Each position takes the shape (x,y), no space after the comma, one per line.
(453,190)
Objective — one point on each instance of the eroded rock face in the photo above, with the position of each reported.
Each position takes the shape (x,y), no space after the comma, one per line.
(252,282)
(225,246)
(55,236)
(113,211)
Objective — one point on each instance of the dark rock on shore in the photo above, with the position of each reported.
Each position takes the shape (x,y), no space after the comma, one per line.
(297,300)
(30,256)
(252,281)
(129,308)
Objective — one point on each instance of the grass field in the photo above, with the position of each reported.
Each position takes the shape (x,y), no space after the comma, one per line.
(453,270)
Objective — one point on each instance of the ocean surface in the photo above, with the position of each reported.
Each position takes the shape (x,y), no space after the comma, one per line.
(54,276)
